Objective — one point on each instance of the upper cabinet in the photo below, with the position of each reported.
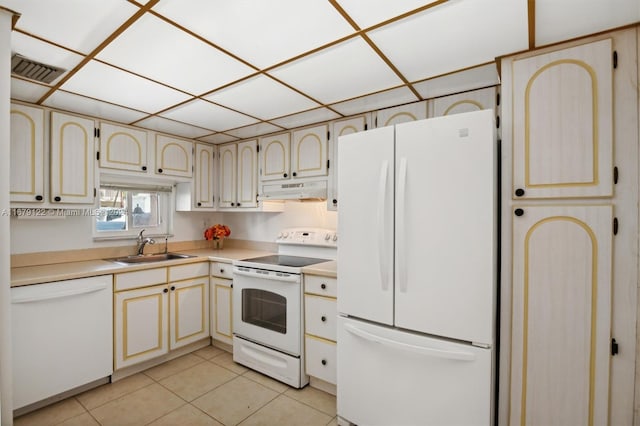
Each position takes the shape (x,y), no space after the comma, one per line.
(72,165)
(309,152)
(400,114)
(238,174)
(203,182)
(174,157)
(474,100)
(562,122)
(274,157)
(27,154)
(123,148)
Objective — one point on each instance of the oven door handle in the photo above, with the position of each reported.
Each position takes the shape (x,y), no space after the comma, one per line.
(271,276)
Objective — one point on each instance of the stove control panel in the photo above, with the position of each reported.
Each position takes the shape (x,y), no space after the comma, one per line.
(309,237)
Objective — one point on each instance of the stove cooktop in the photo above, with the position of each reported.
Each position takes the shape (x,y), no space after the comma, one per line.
(284,260)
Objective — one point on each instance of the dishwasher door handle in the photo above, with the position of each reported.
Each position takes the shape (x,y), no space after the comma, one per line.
(59,294)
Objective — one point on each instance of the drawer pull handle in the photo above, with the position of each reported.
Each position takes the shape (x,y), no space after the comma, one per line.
(222,271)
(323,318)
(323,286)
(324,362)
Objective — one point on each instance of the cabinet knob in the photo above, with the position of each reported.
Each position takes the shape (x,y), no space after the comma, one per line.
(57,199)
(144,168)
(335,202)
(173,288)
(166,290)
(324,362)
(323,318)
(285,175)
(518,212)
(323,286)
(294,174)
(39,197)
(222,271)
(519,192)
(233,204)
(199,204)
(159,170)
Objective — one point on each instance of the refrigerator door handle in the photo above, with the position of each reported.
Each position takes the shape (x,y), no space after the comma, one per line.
(400,224)
(421,350)
(382,198)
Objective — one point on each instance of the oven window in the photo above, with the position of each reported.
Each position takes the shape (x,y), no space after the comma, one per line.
(264,309)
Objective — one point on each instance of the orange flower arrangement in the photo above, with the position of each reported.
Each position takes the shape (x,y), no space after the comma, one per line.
(217,232)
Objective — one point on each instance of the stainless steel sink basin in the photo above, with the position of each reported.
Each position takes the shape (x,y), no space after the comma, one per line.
(150,258)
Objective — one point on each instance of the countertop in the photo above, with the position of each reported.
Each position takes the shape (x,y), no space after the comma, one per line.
(65,271)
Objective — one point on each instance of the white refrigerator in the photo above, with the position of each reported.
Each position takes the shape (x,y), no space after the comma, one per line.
(417,265)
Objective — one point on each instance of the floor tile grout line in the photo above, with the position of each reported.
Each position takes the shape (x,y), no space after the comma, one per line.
(204,412)
(114,399)
(258,410)
(310,406)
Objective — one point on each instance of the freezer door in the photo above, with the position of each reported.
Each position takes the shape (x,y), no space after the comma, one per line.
(446,226)
(365,225)
(390,377)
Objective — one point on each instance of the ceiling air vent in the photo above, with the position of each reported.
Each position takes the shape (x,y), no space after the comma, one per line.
(33,70)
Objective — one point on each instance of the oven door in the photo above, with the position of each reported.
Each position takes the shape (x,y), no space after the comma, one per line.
(267,308)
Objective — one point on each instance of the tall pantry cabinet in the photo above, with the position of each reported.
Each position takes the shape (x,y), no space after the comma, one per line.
(569,233)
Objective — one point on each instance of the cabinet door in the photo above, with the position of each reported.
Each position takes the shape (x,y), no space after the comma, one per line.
(561,315)
(228,164)
(141,325)
(123,148)
(247,174)
(72,159)
(341,128)
(274,157)
(309,152)
(174,157)
(474,100)
(221,310)
(204,176)
(27,154)
(562,123)
(189,308)
(401,114)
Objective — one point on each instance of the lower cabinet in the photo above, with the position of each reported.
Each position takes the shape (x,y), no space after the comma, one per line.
(221,299)
(158,310)
(320,312)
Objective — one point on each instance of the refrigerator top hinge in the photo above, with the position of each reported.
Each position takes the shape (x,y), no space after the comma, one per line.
(480,345)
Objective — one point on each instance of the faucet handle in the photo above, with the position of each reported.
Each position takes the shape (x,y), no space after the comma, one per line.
(140,235)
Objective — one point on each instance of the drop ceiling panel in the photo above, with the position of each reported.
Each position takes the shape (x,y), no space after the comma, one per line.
(77,24)
(46,53)
(209,116)
(397,96)
(561,20)
(370,12)
(254,130)
(473,78)
(79,104)
(172,127)
(308,117)
(344,71)
(26,91)
(262,97)
(262,32)
(178,59)
(218,138)
(451,36)
(104,82)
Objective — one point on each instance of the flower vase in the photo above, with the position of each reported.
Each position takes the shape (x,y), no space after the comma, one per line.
(217,244)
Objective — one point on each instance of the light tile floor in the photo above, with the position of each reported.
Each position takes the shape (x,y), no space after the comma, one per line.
(202,388)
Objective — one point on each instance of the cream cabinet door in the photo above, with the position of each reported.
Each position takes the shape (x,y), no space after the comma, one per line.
(247,174)
(562,123)
(189,311)
(221,298)
(72,159)
(174,156)
(141,325)
(123,148)
(474,100)
(341,128)
(309,152)
(228,166)
(27,154)
(401,114)
(561,315)
(204,176)
(275,157)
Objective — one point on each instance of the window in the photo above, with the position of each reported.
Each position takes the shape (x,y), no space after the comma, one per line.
(126,210)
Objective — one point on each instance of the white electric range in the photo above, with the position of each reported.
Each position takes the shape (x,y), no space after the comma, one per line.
(268,307)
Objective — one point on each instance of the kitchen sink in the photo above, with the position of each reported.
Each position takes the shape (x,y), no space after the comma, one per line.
(150,258)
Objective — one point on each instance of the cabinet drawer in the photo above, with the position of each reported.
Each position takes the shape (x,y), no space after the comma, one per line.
(186,272)
(147,277)
(221,269)
(320,316)
(320,359)
(324,286)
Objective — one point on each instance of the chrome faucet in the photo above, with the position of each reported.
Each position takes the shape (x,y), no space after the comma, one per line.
(142,241)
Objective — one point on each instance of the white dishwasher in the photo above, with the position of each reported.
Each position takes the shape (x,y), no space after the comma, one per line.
(62,336)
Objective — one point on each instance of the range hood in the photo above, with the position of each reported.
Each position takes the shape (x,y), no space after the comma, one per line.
(302,191)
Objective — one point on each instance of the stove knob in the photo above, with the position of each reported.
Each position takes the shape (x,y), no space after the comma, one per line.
(335,237)
(327,237)
(280,235)
(285,235)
